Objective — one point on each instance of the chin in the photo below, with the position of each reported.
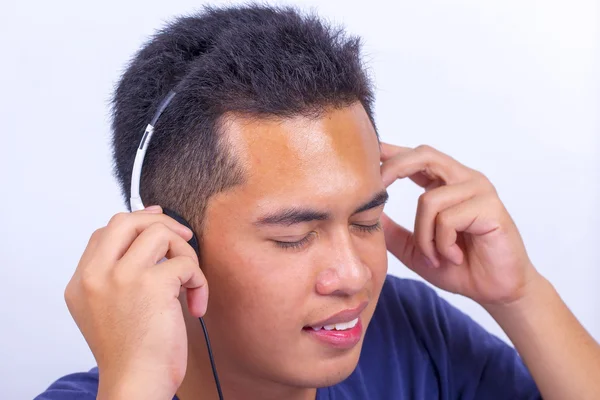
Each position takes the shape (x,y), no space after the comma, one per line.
(326,372)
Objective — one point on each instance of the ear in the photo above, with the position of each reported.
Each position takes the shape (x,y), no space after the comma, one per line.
(194,240)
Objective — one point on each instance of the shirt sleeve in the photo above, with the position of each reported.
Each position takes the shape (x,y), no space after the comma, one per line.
(470,362)
(78,386)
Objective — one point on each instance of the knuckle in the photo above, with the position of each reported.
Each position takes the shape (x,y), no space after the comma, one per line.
(69,293)
(488,184)
(96,235)
(89,283)
(427,201)
(480,177)
(478,174)
(118,219)
(424,148)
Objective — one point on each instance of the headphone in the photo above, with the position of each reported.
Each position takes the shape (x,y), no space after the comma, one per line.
(136,204)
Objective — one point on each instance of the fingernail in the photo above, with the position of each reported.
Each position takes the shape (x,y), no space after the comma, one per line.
(153,209)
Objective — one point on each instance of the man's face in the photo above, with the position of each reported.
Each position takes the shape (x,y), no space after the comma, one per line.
(295,245)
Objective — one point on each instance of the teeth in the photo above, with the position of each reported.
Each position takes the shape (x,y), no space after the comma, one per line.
(342,326)
(353,323)
(346,325)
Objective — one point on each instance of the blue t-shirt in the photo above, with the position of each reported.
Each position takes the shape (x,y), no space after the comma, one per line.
(417,346)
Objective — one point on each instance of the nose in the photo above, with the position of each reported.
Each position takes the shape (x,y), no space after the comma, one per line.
(345,273)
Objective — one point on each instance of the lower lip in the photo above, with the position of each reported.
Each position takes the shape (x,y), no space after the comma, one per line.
(338,339)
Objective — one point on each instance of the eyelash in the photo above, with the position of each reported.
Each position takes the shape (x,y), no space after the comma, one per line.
(369,228)
(294,245)
(301,243)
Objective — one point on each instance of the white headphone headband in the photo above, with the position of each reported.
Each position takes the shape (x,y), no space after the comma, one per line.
(135,201)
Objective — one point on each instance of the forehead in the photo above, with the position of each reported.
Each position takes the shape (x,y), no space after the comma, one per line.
(336,153)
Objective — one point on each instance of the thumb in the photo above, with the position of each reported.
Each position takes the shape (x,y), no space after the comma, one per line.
(398,240)
(401,243)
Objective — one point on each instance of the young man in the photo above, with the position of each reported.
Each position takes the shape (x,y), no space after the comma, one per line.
(269,150)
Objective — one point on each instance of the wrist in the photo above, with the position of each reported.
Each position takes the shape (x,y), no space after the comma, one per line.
(533,295)
(133,386)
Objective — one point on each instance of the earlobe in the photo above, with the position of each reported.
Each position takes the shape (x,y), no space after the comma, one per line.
(194,240)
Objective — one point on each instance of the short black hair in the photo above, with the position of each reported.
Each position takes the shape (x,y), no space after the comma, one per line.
(256,60)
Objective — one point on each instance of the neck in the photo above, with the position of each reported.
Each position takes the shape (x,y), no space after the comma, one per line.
(199,382)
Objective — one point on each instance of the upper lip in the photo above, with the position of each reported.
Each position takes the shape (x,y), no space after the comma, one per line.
(342,316)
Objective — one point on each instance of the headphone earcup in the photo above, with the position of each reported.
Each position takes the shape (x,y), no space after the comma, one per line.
(194,240)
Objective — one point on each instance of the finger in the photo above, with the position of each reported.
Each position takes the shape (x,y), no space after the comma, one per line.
(398,240)
(430,204)
(471,216)
(420,179)
(388,151)
(403,248)
(155,243)
(445,243)
(150,209)
(98,236)
(401,243)
(124,228)
(427,161)
(197,300)
(183,271)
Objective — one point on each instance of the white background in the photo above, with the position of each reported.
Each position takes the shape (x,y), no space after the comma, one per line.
(508,87)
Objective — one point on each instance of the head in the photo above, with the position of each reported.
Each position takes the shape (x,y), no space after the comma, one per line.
(269,150)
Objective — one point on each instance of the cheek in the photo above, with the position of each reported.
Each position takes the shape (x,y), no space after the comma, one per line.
(258,290)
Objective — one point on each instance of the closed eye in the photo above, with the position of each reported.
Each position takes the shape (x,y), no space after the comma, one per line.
(295,244)
(368,228)
(298,244)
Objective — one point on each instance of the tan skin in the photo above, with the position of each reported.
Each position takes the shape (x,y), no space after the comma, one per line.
(329,165)
(140,319)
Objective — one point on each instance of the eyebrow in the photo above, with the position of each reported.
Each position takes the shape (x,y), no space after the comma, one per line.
(297,215)
(379,199)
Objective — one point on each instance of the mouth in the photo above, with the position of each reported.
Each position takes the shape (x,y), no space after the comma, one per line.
(340,326)
(342,330)
(335,337)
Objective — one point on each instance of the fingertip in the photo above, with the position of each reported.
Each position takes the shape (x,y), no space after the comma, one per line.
(455,254)
(432,257)
(197,300)
(185,232)
(432,262)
